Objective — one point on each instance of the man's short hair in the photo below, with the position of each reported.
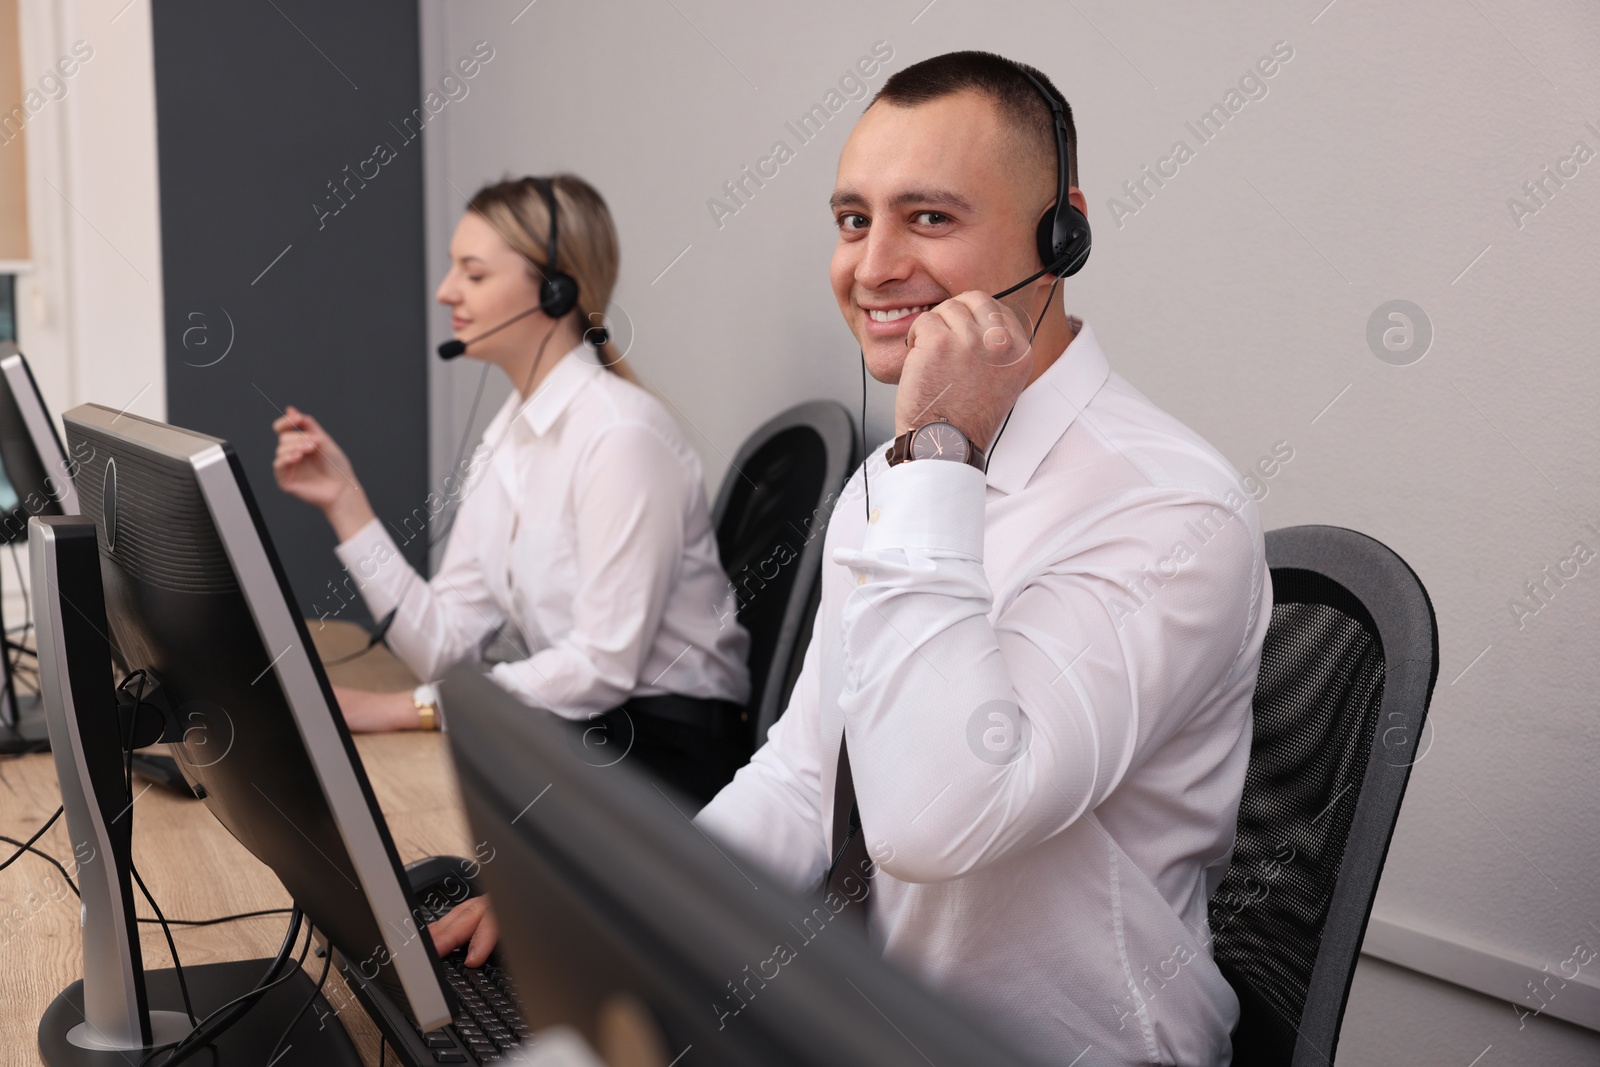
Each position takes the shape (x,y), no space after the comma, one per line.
(1002,81)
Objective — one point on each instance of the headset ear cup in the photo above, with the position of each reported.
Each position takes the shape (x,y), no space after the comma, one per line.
(1045,239)
(1064,240)
(558,294)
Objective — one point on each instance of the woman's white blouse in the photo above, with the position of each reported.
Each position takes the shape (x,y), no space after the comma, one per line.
(584,537)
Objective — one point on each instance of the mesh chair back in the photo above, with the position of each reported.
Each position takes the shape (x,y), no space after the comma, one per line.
(1347,668)
(770,516)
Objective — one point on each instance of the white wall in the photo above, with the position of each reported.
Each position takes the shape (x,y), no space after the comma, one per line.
(1378,167)
(89,311)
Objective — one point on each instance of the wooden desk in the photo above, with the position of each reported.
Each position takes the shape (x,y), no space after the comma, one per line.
(196,870)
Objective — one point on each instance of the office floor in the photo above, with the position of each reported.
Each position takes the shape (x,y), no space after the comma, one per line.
(196,870)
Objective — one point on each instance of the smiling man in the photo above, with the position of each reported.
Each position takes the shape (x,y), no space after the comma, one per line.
(1039,634)
(1040,626)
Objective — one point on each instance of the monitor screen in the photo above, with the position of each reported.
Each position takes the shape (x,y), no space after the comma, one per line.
(35,475)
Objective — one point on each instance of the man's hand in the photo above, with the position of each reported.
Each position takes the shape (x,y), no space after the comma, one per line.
(309,464)
(469,923)
(969,360)
(367,712)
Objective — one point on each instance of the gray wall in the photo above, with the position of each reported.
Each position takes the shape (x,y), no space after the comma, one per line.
(1377,167)
(278,289)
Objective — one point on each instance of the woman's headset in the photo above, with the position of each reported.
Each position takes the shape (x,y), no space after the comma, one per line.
(558,290)
(558,293)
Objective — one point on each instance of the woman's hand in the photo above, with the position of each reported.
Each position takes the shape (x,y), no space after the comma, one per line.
(367,712)
(310,465)
(469,923)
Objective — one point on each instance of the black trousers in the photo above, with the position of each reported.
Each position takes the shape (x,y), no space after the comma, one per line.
(690,743)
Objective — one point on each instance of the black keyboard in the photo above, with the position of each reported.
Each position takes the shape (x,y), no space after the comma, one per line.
(488,1024)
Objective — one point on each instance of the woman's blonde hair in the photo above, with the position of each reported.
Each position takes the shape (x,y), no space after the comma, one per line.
(586,243)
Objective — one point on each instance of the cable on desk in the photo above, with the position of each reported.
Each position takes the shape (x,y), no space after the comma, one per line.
(212,1026)
(327,958)
(184,1048)
(27,846)
(57,864)
(221,918)
(72,885)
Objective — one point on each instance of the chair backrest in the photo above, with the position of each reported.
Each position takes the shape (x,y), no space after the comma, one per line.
(770,516)
(1347,669)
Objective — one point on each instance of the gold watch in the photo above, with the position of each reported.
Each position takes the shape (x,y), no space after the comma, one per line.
(426,698)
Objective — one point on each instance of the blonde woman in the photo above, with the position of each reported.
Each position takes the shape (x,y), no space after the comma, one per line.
(583,534)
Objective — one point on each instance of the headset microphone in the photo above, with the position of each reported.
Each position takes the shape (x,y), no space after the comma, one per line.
(595,335)
(453,348)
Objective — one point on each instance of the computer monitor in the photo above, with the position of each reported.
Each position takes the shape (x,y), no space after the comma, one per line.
(35,479)
(196,596)
(38,479)
(622,921)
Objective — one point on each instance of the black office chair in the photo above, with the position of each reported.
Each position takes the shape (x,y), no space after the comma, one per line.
(770,516)
(1347,670)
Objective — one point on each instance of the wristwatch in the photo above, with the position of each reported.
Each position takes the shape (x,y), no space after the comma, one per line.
(426,698)
(935,440)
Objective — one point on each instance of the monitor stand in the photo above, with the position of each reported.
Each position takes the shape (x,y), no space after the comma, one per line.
(66,1040)
(119,1009)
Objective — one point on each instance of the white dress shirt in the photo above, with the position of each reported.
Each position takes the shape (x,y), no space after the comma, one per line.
(1049,866)
(583,527)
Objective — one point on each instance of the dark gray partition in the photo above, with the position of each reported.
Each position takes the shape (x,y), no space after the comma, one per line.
(292,245)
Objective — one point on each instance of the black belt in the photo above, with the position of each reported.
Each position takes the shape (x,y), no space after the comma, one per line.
(706,713)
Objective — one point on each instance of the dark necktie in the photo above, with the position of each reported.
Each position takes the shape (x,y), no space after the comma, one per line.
(851,872)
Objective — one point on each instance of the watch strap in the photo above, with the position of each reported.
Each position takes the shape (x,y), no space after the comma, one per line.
(899,450)
(426,699)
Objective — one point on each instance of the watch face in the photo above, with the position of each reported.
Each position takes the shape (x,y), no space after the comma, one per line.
(939,440)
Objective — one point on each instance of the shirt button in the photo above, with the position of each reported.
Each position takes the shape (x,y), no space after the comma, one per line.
(873,518)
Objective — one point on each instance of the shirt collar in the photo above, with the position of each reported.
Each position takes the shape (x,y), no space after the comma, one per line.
(1045,410)
(571,372)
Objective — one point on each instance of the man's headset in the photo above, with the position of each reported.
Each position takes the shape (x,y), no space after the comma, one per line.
(558,291)
(1063,235)
(1062,238)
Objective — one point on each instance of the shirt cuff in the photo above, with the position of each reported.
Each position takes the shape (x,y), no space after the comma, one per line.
(513,678)
(932,505)
(372,558)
